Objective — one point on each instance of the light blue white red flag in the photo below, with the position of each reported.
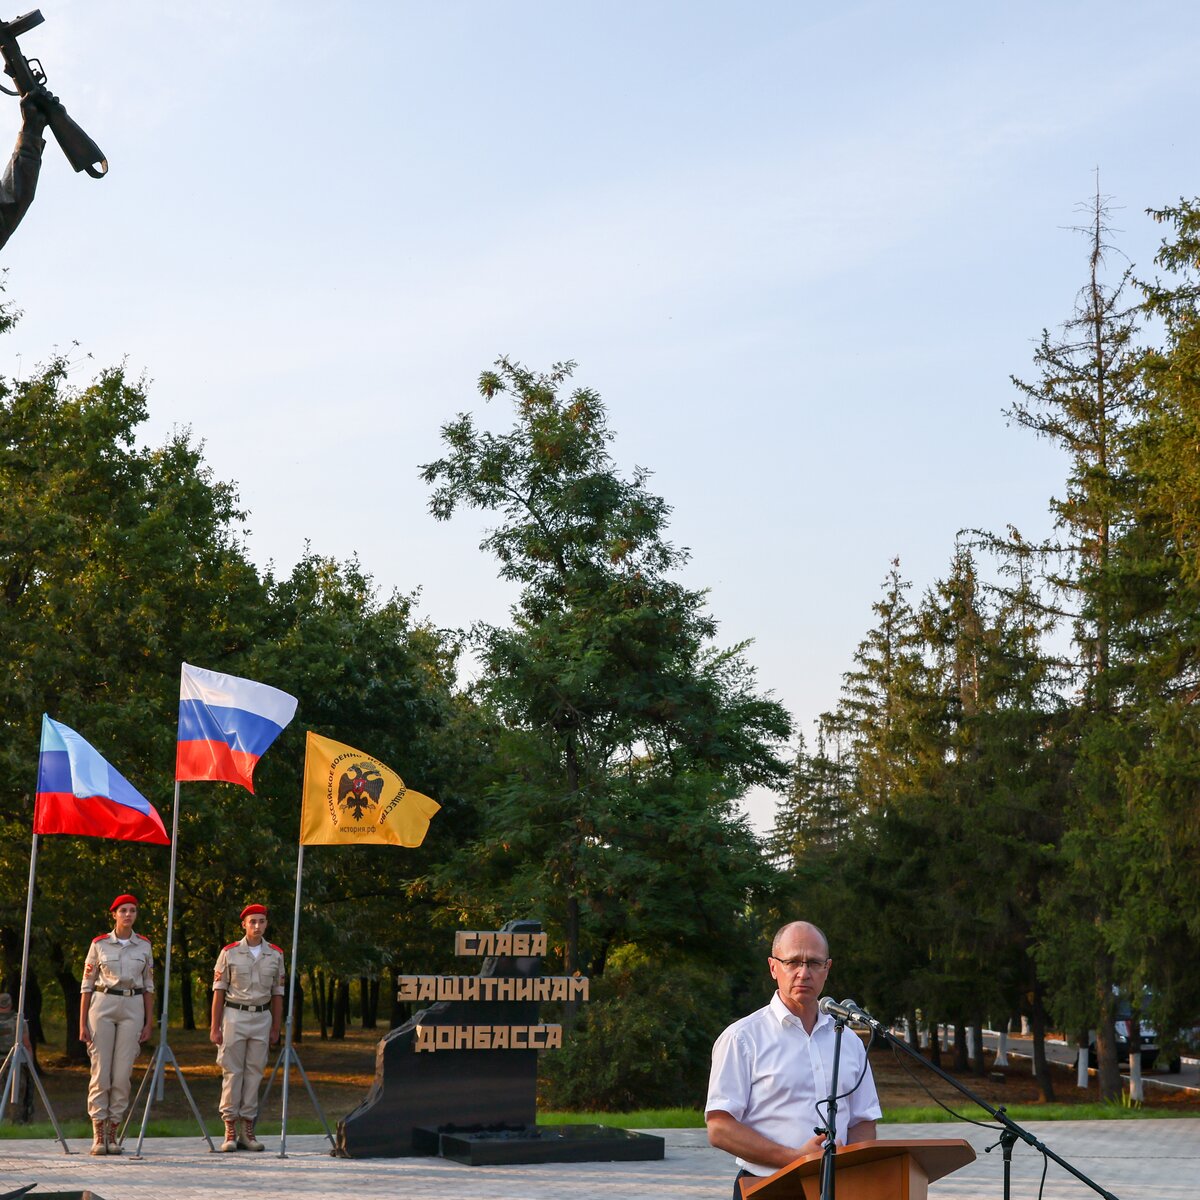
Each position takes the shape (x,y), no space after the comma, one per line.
(226,724)
(79,792)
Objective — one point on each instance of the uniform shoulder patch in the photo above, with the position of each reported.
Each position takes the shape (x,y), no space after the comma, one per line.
(142,938)
(102,938)
(231,945)
(275,947)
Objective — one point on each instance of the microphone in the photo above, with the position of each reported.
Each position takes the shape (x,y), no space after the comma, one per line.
(847,1010)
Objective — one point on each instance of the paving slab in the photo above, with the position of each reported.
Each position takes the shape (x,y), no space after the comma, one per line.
(1134,1160)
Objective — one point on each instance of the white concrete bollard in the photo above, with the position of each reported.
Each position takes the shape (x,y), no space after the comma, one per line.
(1002,1050)
(1136,1091)
(1081,1068)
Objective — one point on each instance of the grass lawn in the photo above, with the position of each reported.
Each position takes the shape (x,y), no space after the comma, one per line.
(652,1118)
(342,1071)
(171,1127)
(692,1118)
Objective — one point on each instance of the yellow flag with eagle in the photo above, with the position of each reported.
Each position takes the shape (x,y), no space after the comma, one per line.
(352,799)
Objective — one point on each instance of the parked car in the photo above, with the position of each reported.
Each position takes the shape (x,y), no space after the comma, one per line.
(1149,1041)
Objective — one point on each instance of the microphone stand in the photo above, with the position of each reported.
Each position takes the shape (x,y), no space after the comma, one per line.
(827,1172)
(1011,1133)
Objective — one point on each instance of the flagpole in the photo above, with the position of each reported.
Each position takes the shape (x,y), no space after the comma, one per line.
(19,1055)
(163,1054)
(289,1055)
(287,1029)
(162,1029)
(16,1074)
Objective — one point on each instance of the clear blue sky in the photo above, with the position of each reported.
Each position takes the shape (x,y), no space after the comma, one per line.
(799,250)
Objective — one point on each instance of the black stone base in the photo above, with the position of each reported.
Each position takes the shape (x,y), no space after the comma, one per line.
(538,1144)
(30,1194)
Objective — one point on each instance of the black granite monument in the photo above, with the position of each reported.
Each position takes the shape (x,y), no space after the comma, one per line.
(459,1078)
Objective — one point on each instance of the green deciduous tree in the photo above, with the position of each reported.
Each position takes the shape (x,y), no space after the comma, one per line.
(114,559)
(631,734)
(117,562)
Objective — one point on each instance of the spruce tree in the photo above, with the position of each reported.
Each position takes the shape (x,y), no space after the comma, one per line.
(1086,399)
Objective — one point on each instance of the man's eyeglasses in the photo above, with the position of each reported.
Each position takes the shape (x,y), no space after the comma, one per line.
(796,964)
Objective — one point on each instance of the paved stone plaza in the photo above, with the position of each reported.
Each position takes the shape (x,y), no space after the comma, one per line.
(1135,1160)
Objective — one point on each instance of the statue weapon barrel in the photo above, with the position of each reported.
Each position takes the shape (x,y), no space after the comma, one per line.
(26,73)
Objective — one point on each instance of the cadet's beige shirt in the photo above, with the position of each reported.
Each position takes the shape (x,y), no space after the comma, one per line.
(248,980)
(111,965)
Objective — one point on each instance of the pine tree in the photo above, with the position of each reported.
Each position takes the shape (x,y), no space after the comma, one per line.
(813,820)
(882,699)
(1157,569)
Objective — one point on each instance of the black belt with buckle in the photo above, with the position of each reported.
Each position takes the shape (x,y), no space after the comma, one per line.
(247,1007)
(120,991)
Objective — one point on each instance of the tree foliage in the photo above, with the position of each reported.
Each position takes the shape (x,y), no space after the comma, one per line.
(1009,802)
(631,734)
(117,562)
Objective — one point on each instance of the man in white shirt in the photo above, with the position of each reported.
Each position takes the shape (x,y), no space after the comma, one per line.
(771,1068)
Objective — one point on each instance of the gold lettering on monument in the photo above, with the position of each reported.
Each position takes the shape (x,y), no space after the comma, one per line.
(474,943)
(429,989)
(542,989)
(431,1038)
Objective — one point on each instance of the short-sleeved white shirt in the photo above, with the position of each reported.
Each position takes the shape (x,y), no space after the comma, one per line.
(768,1072)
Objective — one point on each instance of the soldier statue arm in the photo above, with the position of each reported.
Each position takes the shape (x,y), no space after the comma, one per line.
(19,183)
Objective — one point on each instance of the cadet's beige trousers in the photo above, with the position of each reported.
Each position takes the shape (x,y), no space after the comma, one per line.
(116,1023)
(242,1057)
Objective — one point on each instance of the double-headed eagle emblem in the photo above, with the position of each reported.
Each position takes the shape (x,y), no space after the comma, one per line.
(359,789)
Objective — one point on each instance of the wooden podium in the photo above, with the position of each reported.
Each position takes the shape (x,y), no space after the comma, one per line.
(867,1171)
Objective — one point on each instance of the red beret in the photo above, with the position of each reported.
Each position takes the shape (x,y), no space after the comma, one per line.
(125,899)
(250,910)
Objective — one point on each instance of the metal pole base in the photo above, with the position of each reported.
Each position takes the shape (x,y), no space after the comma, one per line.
(288,1057)
(17,1057)
(154,1075)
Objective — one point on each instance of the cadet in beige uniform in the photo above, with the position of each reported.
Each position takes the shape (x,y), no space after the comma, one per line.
(247,1010)
(116,1015)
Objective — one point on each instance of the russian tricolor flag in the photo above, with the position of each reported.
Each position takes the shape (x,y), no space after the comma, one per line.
(79,792)
(226,725)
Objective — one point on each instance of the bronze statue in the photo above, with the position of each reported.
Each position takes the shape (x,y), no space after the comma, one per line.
(21,174)
(38,109)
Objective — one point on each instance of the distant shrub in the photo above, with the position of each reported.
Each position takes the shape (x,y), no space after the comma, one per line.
(644,1039)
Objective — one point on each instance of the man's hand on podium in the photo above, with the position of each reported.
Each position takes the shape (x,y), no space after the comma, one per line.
(814,1145)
